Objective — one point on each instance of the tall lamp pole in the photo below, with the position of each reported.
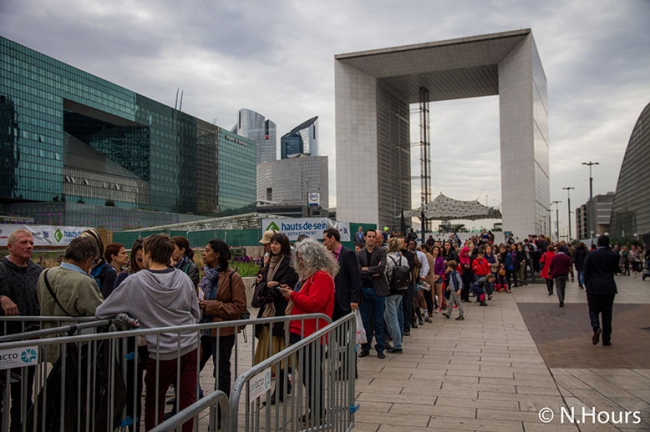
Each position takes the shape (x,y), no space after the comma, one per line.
(592,225)
(422,219)
(568,191)
(557,218)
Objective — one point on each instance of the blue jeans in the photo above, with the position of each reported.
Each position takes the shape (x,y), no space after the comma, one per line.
(581,278)
(373,304)
(393,303)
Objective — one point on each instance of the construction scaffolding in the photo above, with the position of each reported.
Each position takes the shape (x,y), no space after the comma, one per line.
(425,153)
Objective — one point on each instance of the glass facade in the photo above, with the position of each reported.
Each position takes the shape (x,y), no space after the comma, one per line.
(630,212)
(66,134)
(302,140)
(254,126)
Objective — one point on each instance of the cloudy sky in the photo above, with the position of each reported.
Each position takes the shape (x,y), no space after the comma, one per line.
(277,58)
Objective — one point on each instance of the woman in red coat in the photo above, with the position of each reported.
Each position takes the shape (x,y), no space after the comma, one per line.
(545,260)
(317,268)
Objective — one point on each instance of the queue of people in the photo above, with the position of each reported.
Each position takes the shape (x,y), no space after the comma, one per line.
(395,284)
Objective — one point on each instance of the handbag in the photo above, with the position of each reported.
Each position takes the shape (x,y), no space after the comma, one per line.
(361,331)
(502,272)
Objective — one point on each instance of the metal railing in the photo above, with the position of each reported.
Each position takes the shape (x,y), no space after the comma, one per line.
(96,384)
(323,362)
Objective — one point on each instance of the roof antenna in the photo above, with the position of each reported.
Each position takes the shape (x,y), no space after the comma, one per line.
(180,106)
(176,103)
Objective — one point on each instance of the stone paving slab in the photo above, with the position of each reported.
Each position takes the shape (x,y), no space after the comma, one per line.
(489,372)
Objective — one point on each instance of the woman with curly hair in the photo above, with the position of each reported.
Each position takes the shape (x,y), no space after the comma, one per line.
(317,268)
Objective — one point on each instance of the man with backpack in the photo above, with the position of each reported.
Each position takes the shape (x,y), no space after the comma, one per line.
(406,318)
(399,277)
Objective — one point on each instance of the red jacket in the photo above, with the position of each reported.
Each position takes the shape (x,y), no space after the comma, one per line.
(481,267)
(315,296)
(546,259)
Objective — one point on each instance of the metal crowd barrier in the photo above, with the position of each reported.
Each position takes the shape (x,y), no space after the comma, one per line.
(324,363)
(96,382)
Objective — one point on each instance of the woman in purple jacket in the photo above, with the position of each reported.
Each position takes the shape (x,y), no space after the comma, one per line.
(438,275)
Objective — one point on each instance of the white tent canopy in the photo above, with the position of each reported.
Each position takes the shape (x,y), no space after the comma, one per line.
(445,209)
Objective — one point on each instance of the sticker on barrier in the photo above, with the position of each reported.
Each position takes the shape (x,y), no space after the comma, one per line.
(260,384)
(18,357)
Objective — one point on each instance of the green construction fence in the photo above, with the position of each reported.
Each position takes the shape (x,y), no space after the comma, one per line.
(249,237)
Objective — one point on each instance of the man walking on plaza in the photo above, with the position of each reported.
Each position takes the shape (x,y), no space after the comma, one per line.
(372,261)
(347,282)
(18,279)
(600,266)
(161,296)
(559,271)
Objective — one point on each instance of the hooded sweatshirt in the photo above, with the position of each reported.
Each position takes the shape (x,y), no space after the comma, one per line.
(162,298)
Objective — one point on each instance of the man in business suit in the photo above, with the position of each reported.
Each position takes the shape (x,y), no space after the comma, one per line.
(600,266)
(374,285)
(358,238)
(347,282)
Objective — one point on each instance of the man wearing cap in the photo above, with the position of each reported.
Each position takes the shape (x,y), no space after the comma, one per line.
(600,266)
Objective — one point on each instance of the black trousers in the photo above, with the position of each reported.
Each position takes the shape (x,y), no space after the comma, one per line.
(312,376)
(407,307)
(601,304)
(26,380)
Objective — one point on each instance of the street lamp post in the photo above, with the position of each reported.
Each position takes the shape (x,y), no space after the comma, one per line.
(557,218)
(568,191)
(550,227)
(591,201)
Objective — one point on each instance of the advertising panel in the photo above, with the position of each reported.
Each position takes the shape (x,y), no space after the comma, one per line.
(313,227)
(44,235)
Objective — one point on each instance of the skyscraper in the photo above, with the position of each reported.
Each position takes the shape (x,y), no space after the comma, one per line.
(69,136)
(302,140)
(253,125)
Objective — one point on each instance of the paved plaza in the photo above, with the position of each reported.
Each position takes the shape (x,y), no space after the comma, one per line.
(497,369)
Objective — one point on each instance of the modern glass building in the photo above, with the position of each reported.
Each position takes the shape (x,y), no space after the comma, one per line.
(631,212)
(67,135)
(255,126)
(302,140)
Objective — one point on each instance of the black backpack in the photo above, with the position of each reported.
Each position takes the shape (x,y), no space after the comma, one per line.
(400,277)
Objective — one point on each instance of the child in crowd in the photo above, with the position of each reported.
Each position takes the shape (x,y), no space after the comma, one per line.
(454,287)
(481,286)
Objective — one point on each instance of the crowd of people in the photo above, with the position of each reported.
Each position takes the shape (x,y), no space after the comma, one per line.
(394,283)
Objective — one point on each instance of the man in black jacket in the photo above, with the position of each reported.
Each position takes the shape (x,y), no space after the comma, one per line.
(347,282)
(18,278)
(374,285)
(600,266)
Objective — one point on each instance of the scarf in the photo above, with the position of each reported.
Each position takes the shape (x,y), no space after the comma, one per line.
(274,264)
(210,279)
